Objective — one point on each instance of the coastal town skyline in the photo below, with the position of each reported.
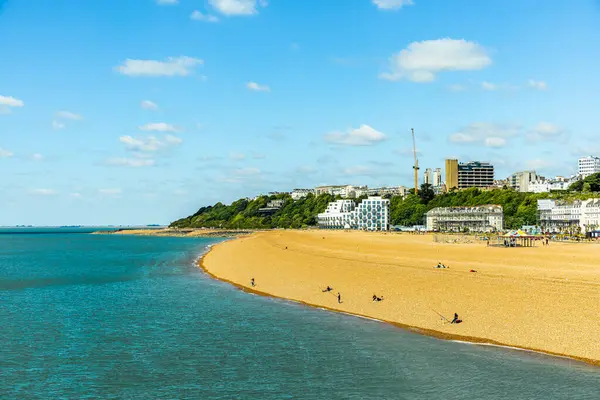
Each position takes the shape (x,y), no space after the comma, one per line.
(155,117)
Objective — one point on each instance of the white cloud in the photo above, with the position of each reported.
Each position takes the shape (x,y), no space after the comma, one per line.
(110,192)
(5,153)
(363,136)
(457,88)
(158,127)
(149,105)
(494,142)
(247,171)
(237,7)
(392,4)
(420,61)
(43,192)
(489,86)
(545,131)
(69,115)
(490,135)
(539,85)
(37,157)
(257,87)
(10,101)
(150,143)
(237,156)
(173,66)
(57,125)
(167,2)
(198,16)
(131,162)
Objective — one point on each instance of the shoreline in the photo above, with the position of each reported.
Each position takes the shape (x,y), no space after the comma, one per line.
(475,340)
(171,232)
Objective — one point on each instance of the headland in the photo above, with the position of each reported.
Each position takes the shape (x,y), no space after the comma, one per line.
(545,298)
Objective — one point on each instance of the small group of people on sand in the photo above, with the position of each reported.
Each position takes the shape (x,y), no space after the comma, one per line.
(376,298)
(440,265)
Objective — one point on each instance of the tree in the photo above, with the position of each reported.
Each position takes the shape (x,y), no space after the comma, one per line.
(426,193)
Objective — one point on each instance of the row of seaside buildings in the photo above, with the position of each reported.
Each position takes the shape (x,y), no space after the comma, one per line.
(373,214)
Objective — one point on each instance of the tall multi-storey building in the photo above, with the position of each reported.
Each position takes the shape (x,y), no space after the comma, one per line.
(372,214)
(428,176)
(565,216)
(475,174)
(486,218)
(451,174)
(437,177)
(520,180)
(588,165)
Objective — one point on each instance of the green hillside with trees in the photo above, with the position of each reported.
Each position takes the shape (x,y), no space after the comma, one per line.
(519,208)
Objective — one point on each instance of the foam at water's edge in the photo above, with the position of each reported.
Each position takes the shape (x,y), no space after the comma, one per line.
(414,329)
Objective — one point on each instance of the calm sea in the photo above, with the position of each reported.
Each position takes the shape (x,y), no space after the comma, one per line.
(86,316)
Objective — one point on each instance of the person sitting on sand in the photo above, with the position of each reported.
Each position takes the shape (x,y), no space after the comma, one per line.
(455,320)
(328,289)
(252,282)
(375,298)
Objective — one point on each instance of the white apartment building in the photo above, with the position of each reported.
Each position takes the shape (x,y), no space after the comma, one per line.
(372,214)
(520,181)
(388,190)
(562,216)
(548,185)
(298,194)
(345,191)
(588,165)
(487,218)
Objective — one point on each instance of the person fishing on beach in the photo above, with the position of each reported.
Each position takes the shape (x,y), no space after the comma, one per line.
(328,289)
(339,296)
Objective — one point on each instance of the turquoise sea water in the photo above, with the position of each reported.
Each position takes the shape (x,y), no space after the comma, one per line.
(86,316)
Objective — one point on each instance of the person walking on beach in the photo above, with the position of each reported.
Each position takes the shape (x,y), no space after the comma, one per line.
(339,298)
(252,282)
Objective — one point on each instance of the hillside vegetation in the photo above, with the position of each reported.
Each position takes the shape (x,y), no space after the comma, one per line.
(519,208)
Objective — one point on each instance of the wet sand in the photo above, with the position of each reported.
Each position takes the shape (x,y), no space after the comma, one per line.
(545,299)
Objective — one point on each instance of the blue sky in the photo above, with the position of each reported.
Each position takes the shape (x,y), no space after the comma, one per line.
(135,112)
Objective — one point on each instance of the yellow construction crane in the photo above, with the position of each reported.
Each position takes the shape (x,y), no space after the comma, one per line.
(416,166)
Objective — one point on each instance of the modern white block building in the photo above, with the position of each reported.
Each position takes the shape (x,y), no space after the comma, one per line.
(372,214)
(562,216)
(588,165)
(486,218)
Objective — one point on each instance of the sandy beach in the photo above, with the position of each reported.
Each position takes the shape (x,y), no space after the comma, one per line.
(177,232)
(544,298)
